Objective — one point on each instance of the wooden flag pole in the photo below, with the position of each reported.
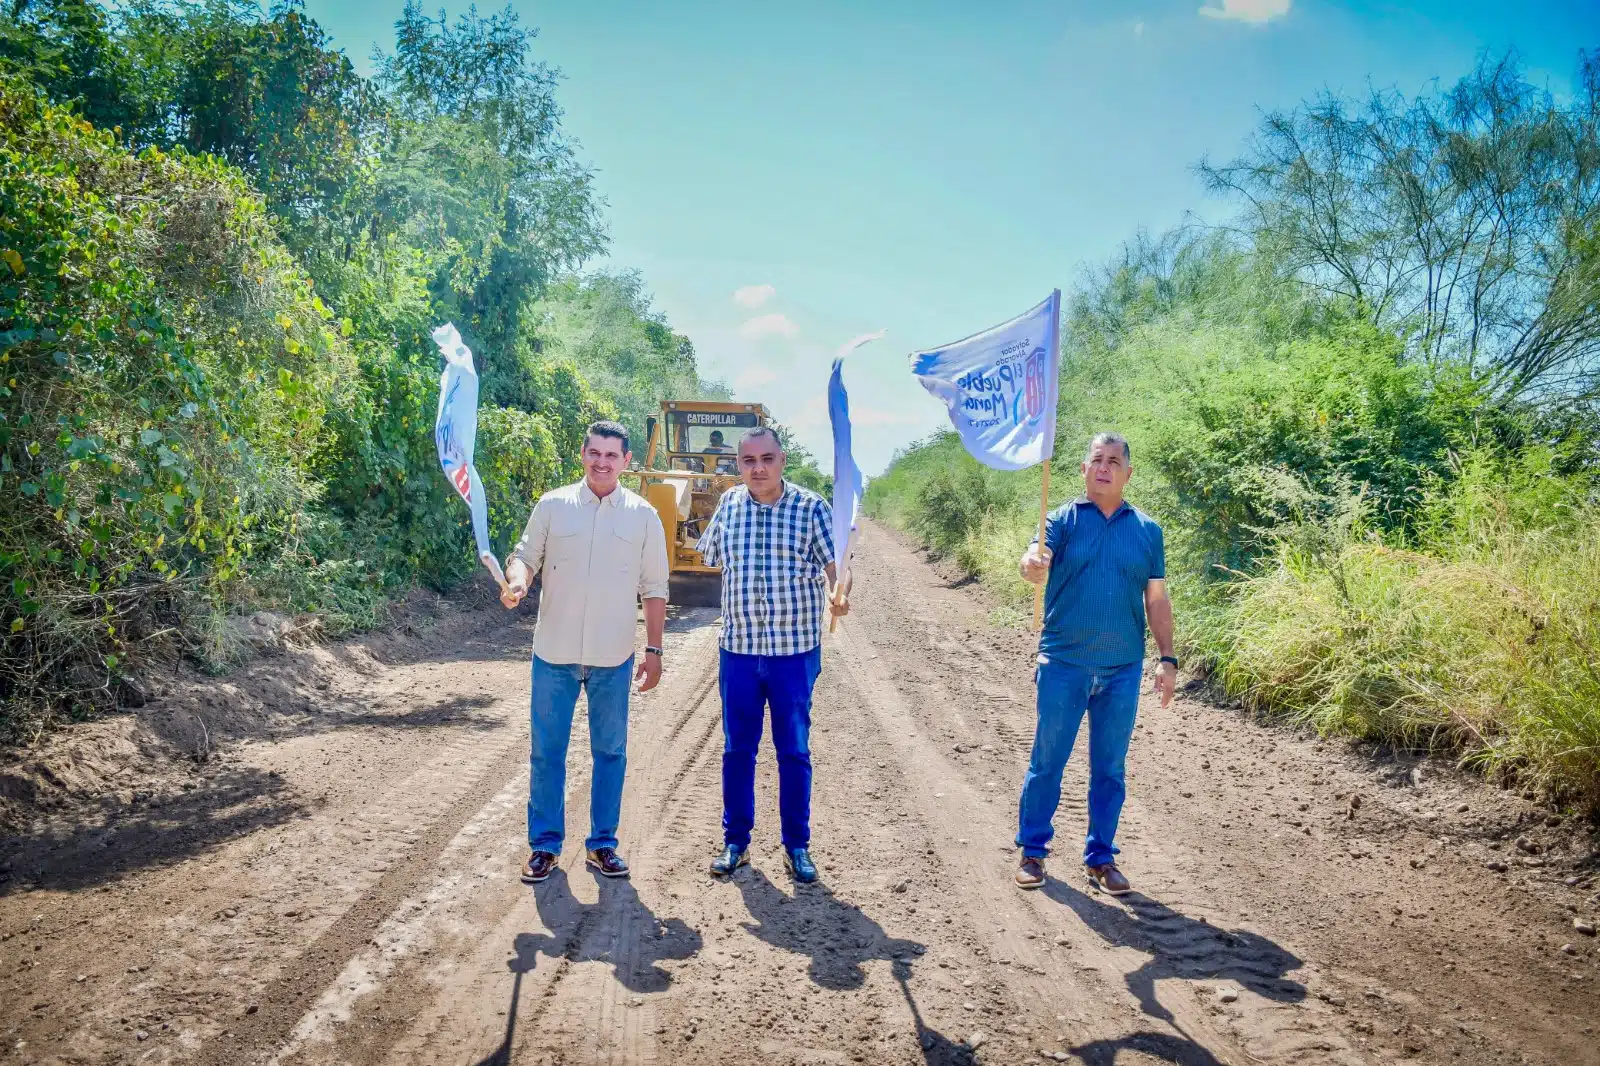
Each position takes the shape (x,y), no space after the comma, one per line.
(1044,517)
(839,572)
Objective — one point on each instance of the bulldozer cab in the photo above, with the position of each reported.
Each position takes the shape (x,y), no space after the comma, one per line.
(690,461)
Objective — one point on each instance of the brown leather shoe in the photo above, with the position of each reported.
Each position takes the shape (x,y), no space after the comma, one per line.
(1107,878)
(1030,872)
(540,865)
(608,862)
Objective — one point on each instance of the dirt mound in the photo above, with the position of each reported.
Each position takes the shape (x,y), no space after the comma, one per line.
(176,721)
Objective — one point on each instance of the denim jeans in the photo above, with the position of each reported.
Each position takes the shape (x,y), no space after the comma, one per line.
(1110,695)
(750,684)
(555,695)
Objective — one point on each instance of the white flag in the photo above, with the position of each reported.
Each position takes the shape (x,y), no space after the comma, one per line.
(1000,387)
(455,430)
(846,475)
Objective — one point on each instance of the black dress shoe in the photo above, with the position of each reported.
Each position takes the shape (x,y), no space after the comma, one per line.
(730,860)
(539,867)
(607,862)
(800,865)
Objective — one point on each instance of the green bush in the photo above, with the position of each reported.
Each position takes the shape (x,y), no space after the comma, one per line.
(168,371)
(1486,642)
(1355,541)
(189,432)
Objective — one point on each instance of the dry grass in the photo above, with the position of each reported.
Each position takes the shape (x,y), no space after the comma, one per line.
(1488,649)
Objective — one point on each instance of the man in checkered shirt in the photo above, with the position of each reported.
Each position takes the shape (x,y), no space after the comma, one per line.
(774,542)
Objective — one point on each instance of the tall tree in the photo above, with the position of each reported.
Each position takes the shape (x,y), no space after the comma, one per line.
(1460,216)
(453,86)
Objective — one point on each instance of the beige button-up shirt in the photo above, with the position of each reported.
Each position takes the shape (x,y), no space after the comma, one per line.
(597,557)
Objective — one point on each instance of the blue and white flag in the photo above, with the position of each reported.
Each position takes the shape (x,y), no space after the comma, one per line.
(455,429)
(846,475)
(1000,386)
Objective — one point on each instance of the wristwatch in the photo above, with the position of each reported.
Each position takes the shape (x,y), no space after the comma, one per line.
(1170,659)
(650,649)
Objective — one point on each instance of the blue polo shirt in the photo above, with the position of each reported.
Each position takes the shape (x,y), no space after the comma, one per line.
(1094,599)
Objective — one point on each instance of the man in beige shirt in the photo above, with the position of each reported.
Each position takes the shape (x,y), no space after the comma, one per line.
(599,549)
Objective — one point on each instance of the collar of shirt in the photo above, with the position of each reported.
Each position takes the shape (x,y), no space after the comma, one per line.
(586,495)
(1084,501)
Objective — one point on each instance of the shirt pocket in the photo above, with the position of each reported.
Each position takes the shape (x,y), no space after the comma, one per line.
(568,546)
(627,546)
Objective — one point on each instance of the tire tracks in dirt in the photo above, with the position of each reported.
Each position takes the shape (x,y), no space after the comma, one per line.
(385,925)
(443,1002)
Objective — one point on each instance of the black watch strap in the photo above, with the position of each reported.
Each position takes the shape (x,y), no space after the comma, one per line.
(651,649)
(1169,659)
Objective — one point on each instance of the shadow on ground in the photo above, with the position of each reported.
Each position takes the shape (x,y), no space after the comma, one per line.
(840,939)
(617,929)
(103,845)
(1182,947)
(837,936)
(1143,1048)
(189,809)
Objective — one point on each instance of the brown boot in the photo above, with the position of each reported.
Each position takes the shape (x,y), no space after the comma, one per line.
(540,865)
(1107,878)
(607,862)
(1030,872)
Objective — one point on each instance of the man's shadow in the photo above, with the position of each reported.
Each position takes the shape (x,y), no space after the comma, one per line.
(1183,947)
(839,939)
(836,935)
(617,929)
(1163,1047)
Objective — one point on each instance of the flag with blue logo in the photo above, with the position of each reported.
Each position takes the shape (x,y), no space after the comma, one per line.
(455,430)
(1000,387)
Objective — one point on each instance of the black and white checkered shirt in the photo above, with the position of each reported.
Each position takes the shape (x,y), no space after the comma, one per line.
(773,561)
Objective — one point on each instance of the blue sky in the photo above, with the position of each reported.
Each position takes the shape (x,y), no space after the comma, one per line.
(787,176)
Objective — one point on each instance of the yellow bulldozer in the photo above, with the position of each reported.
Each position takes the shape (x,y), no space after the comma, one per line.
(690,461)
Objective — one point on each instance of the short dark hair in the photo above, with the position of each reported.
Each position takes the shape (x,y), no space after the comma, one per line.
(757,432)
(1109,437)
(716,434)
(607,428)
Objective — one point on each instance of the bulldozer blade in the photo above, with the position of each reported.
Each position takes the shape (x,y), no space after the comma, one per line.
(696,590)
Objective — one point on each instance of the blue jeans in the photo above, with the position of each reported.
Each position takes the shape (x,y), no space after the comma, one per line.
(750,684)
(555,695)
(1111,697)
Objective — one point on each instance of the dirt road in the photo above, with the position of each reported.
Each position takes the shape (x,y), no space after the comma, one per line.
(348,894)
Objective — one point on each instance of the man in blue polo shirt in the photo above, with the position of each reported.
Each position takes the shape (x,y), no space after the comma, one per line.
(1103,565)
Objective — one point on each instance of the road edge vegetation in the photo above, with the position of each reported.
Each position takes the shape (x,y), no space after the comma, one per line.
(221,253)
(1375,453)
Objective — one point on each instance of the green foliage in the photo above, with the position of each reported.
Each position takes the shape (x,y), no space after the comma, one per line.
(219,385)
(168,374)
(1485,641)
(478,157)
(1463,217)
(1379,497)
(604,325)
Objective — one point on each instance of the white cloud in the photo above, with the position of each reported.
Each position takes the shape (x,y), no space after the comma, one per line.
(773,325)
(754,377)
(1256,11)
(753,295)
(1138,29)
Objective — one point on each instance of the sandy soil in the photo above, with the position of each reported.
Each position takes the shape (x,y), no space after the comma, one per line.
(344,890)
